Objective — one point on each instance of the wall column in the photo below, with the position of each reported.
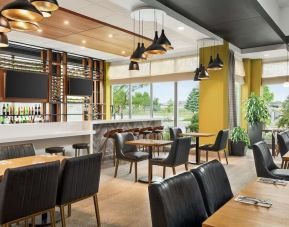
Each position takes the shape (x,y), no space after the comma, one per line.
(107,90)
(214,100)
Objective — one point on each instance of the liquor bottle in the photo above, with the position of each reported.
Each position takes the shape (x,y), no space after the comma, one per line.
(3,111)
(35,110)
(7,110)
(39,110)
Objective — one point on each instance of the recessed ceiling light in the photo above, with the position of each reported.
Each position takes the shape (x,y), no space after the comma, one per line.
(66,22)
(266,55)
(40,30)
(123,52)
(83,41)
(110,35)
(181,28)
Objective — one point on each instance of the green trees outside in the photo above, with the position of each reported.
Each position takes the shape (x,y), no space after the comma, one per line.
(268,96)
(284,119)
(192,103)
(141,101)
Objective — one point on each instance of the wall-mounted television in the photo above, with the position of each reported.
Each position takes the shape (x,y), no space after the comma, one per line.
(26,85)
(79,87)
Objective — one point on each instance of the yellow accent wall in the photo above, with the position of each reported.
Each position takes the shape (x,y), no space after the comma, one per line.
(213,113)
(252,83)
(107,93)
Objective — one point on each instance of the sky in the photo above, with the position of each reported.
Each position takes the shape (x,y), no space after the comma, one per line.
(280,92)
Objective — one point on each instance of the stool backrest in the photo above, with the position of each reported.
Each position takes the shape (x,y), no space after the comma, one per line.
(175,133)
(120,147)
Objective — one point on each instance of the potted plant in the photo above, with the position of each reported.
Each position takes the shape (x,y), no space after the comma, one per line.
(257,115)
(239,141)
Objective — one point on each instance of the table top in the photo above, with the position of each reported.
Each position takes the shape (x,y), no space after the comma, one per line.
(237,214)
(149,142)
(198,134)
(26,161)
(285,157)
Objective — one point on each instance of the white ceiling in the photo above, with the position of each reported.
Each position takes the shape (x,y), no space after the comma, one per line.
(283,3)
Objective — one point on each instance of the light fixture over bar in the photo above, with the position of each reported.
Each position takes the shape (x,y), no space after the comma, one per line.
(45,5)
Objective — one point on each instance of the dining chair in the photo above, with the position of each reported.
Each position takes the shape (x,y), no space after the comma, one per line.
(16,151)
(127,152)
(27,192)
(176,132)
(283,142)
(79,180)
(214,185)
(219,145)
(178,155)
(177,202)
(265,166)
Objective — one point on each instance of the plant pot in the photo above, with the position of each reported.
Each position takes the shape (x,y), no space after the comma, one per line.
(238,149)
(255,132)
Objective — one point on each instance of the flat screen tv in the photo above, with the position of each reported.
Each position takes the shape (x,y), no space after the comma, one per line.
(26,85)
(79,87)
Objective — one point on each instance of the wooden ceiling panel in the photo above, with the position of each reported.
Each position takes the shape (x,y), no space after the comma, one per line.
(51,32)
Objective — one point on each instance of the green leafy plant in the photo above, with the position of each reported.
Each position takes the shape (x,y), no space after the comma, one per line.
(257,110)
(284,119)
(194,125)
(239,134)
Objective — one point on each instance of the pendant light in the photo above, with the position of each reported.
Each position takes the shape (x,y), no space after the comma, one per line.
(163,40)
(133,66)
(46,14)
(45,5)
(286,83)
(203,74)
(4,24)
(22,10)
(218,60)
(215,64)
(197,71)
(155,48)
(138,54)
(3,40)
(24,26)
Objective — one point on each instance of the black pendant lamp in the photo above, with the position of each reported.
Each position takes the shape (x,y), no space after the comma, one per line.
(133,66)
(24,26)
(203,74)
(3,40)
(214,65)
(4,24)
(22,10)
(196,77)
(218,61)
(45,5)
(155,48)
(137,55)
(163,40)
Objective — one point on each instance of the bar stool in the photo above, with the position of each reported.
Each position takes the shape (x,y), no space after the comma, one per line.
(134,131)
(146,132)
(55,150)
(110,135)
(80,146)
(158,134)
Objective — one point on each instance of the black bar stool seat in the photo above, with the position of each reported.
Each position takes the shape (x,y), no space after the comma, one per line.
(55,150)
(80,146)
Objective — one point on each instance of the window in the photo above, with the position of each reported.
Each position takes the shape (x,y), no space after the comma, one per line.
(188,105)
(120,102)
(141,101)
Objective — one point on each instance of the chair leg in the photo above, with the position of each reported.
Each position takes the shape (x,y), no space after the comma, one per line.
(116,167)
(130,168)
(164,172)
(96,207)
(219,156)
(174,170)
(207,156)
(226,157)
(113,152)
(69,210)
(75,152)
(282,164)
(150,173)
(52,217)
(62,214)
(186,166)
(135,172)
(26,223)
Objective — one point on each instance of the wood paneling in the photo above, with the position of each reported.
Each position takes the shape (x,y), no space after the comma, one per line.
(81,27)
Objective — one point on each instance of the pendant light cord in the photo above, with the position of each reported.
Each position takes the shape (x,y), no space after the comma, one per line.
(287,61)
(139,26)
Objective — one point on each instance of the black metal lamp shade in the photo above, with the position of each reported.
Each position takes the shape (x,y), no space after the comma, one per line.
(203,75)
(3,40)
(155,48)
(45,5)
(164,41)
(133,66)
(4,24)
(138,54)
(22,10)
(23,26)
(219,61)
(196,77)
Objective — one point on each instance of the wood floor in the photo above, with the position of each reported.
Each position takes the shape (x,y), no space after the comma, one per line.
(125,203)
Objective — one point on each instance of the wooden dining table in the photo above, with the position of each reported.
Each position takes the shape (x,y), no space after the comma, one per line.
(244,215)
(150,144)
(197,135)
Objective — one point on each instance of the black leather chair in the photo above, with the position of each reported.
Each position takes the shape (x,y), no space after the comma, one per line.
(265,166)
(214,185)
(27,192)
(176,132)
(178,155)
(79,179)
(126,152)
(283,142)
(16,151)
(219,145)
(177,202)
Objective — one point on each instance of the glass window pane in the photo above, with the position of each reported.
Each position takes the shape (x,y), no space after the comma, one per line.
(120,101)
(188,105)
(163,104)
(141,101)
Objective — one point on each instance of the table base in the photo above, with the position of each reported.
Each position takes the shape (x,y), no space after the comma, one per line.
(145,179)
